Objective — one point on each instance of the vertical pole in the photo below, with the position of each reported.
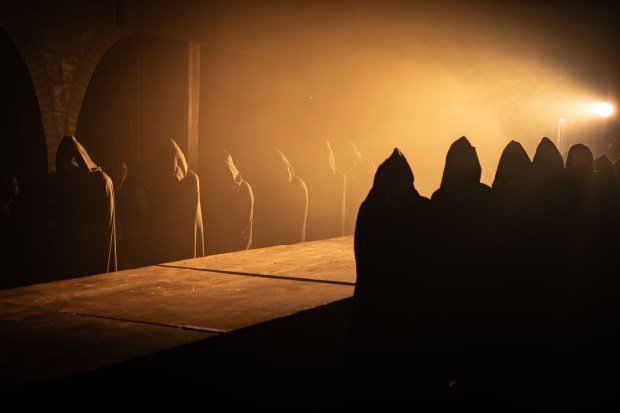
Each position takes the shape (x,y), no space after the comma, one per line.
(561,135)
(193,104)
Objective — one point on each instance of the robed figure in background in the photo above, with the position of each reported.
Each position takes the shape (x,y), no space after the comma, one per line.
(360,172)
(229,209)
(327,198)
(175,216)
(84,213)
(282,203)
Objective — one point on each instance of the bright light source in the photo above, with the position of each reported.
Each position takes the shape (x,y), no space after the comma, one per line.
(603,109)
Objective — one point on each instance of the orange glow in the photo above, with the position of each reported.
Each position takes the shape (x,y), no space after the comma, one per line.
(407,74)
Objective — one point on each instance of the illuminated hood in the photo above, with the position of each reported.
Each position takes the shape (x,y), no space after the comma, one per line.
(170,160)
(71,154)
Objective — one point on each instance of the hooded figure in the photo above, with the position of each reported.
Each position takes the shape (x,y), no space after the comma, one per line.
(131,199)
(512,187)
(604,174)
(360,174)
(327,191)
(513,174)
(463,204)
(605,204)
(580,166)
(548,264)
(613,153)
(594,291)
(510,251)
(84,213)
(604,287)
(549,204)
(605,201)
(229,213)
(175,215)
(282,207)
(383,231)
(463,209)
(579,171)
(392,244)
(12,235)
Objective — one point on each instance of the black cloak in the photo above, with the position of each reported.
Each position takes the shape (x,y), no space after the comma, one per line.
(84,213)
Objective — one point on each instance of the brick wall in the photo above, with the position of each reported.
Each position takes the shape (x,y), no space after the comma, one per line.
(61,45)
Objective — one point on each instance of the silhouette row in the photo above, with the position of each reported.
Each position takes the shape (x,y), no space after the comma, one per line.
(503,296)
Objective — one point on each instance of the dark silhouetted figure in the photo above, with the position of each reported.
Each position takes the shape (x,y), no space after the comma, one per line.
(175,215)
(606,214)
(393,299)
(463,209)
(516,317)
(12,244)
(613,153)
(579,171)
(512,187)
(550,206)
(463,204)
(229,212)
(602,273)
(549,246)
(282,203)
(84,213)
(593,291)
(131,201)
(327,195)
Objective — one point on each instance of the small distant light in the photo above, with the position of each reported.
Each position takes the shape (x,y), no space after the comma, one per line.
(310,97)
(603,109)
(562,121)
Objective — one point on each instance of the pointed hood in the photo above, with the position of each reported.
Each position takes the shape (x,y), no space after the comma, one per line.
(604,171)
(394,173)
(547,159)
(580,161)
(513,167)
(462,166)
(603,165)
(71,155)
(170,160)
(180,167)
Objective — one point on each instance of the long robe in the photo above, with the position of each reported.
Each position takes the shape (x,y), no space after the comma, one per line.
(175,213)
(360,172)
(463,209)
(84,213)
(393,299)
(327,202)
(282,203)
(549,240)
(229,207)
(512,187)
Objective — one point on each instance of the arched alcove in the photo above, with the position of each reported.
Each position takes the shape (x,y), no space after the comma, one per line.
(137,94)
(23,151)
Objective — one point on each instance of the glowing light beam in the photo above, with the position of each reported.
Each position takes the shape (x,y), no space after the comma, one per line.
(603,109)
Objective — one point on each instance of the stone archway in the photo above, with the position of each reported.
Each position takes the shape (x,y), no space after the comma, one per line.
(61,62)
(22,139)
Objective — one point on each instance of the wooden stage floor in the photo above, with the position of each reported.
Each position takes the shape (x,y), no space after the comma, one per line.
(68,329)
